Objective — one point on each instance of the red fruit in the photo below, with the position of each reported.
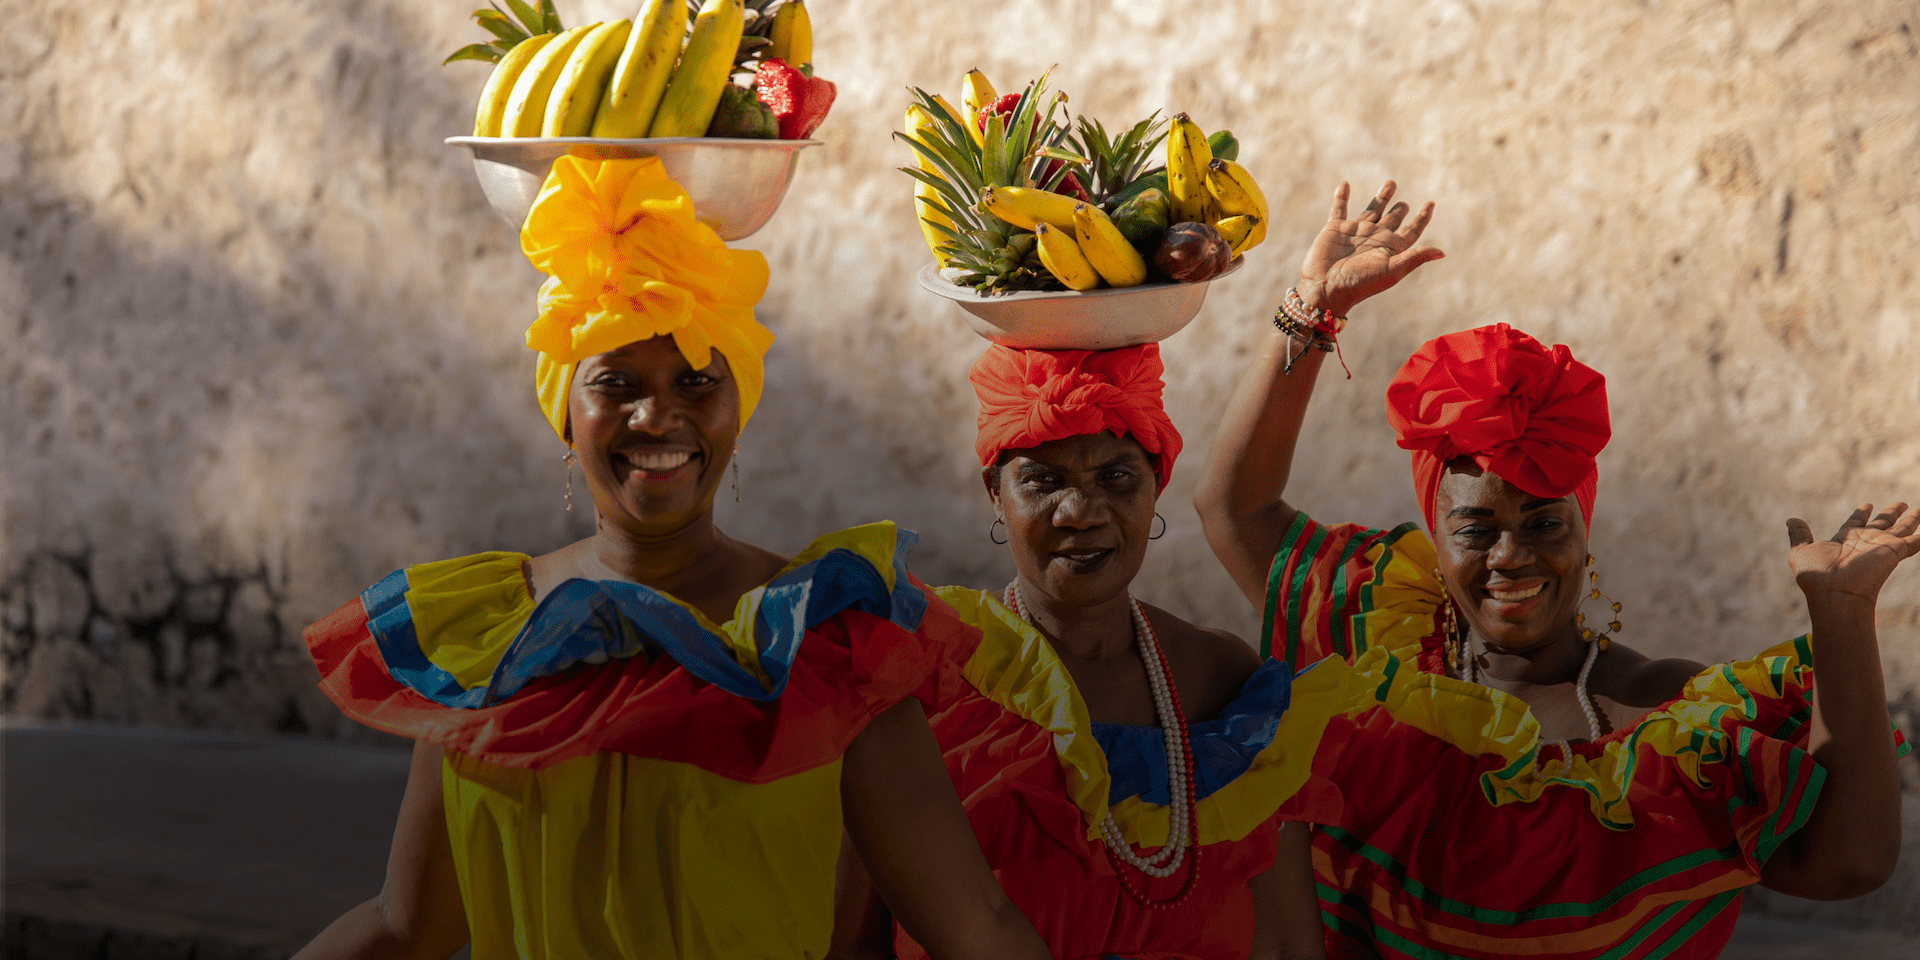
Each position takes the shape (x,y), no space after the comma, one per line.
(1002,107)
(1068,185)
(798,100)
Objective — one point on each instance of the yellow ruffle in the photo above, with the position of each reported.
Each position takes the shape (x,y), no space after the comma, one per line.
(1015,667)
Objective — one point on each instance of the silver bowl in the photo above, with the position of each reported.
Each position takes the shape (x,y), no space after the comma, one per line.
(736,185)
(1065,320)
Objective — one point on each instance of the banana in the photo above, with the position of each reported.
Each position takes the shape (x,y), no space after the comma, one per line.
(918,122)
(1236,194)
(1025,207)
(929,216)
(1063,258)
(975,93)
(686,109)
(1106,248)
(1237,230)
(1187,159)
(527,108)
(957,118)
(493,100)
(626,110)
(792,34)
(583,82)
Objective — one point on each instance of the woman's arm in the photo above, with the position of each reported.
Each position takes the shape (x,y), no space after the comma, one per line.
(1286,910)
(907,824)
(862,927)
(1239,497)
(1852,840)
(418,912)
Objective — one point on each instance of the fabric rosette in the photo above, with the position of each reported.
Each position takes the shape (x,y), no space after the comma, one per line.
(626,261)
(1031,397)
(1529,413)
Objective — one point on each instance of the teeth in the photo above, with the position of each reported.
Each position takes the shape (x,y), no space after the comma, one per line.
(659,461)
(1510,597)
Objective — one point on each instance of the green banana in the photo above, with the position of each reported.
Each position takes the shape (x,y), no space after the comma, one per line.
(583,82)
(686,109)
(527,108)
(1064,259)
(1187,159)
(493,100)
(1224,144)
(1143,220)
(639,80)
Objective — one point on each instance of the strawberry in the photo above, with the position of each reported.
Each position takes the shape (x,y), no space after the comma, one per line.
(1069,184)
(799,99)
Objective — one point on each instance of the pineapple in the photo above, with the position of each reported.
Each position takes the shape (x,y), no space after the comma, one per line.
(1118,163)
(1022,149)
(534,20)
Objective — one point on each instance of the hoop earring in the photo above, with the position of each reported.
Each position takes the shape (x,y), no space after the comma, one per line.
(997,522)
(1163,527)
(1605,639)
(568,460)
(734,461)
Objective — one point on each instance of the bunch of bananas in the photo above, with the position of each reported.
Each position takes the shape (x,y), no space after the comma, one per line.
(1213,190)
(627,78)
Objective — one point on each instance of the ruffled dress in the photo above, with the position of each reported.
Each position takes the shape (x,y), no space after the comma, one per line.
(1037,777)
(1457,841)
(623,777)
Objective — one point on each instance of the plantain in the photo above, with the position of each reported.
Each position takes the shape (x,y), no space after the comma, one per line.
(1235,193)
(1187,159)
(792,34)
(527,108)
(686,109)
(493,100)
(1236,230)
(583,82)
(640,78)
(1025,207)
(976,93)
(1064,259)
(1106,248)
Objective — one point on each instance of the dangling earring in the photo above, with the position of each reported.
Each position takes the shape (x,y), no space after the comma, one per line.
(1453,639)
(997,522)
(735,461)
(1605,640)
(568,460)
(1163,527)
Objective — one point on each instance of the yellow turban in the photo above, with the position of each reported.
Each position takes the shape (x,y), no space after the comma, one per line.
(627,261)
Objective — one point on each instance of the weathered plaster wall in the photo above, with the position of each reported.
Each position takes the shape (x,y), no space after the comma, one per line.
(260,336)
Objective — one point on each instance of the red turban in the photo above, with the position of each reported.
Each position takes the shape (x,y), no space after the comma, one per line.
(1031,397)
(1533,415)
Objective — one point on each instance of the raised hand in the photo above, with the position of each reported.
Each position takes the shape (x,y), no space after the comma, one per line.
(1352,260)
(1857,559)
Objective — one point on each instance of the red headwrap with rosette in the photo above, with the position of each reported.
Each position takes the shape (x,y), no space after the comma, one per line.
(1031,397)
(1531,414)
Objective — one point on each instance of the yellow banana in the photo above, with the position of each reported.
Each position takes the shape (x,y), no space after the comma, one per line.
(493,100)
(975,93)
(1026,207)
(583,82)
(527,108)
(1106,248)
(1236,194)
(686,109)
(1063,258)
(792,34)
(627,108)
(957,118)
(918,122)
(1237,230)
(929,216)
(1187,159)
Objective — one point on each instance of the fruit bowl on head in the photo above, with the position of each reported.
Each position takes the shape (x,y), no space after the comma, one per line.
(1103,319)
(736,185)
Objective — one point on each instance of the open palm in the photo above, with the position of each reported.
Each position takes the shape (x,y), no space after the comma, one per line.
(1352,260)
(1857,559)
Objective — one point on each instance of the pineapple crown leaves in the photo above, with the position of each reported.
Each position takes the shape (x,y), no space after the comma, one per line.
(1115,163)
(533,21)
(756,35)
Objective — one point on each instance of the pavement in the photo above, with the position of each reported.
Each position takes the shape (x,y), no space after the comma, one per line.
(136,843)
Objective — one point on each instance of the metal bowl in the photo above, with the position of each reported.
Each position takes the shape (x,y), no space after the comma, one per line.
(736,185)
(1065,320)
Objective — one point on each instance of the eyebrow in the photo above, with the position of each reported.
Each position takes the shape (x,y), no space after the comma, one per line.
(1129,458)
(1528,507)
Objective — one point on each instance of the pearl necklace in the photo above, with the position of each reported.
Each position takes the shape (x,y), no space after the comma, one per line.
(1183,832)
(1470,672)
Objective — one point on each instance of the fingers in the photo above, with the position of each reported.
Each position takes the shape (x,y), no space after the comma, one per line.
(1378,204)
(1418,225)
(1403,264)
(1858,518)
(1799,533)
(1340,201)
(1394,215)
(1885,519)
(1905,524)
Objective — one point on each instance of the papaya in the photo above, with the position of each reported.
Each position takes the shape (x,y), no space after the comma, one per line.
(1143,220)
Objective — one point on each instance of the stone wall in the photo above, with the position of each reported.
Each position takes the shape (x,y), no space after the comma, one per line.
(260,336)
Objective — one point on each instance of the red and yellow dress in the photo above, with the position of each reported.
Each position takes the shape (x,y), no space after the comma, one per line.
(1037,777)
(1456,840)
(624,777)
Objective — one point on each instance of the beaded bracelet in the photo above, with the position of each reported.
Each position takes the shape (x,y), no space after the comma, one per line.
(1308,327)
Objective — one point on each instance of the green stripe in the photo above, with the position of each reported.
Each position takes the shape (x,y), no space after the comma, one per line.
(1281,558)
(1708,911)
(1298,586)
(1337,600)
(1643,931)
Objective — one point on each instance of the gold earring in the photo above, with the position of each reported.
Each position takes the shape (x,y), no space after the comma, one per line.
(1587,634)
(568,460)
(1451,639)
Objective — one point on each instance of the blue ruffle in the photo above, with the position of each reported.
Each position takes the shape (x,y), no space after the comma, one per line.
(1223,748)
(593,621)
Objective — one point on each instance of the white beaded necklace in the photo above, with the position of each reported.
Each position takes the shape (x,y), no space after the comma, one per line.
(1470,672)
(1165,861)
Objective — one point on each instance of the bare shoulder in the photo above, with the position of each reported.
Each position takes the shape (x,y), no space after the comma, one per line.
(1637,680)
(1209,666)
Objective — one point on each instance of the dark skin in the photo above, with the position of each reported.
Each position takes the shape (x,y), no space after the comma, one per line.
(1078,513)
(654,436)
(1492,537)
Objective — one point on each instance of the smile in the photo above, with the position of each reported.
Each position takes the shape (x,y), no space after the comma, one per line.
(654,461)
(1515,596)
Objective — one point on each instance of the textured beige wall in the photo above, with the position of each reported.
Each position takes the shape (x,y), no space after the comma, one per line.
(260,337)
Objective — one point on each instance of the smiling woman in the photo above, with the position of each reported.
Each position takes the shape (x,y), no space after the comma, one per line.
(646,743)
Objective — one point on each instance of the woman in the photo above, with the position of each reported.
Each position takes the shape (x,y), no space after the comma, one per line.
(1124,770)
(640,745)
(1523,784)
